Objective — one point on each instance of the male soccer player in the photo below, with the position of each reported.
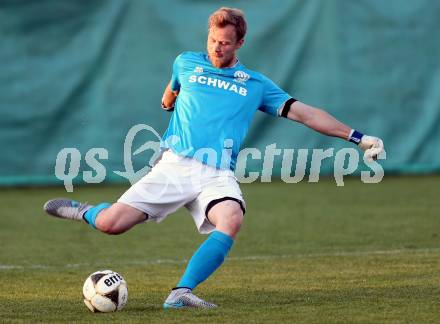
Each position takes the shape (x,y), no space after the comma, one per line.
(214,98)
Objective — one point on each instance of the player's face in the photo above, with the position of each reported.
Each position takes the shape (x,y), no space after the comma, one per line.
(222,46)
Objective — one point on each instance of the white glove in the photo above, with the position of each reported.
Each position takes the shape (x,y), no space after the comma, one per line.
(373,146)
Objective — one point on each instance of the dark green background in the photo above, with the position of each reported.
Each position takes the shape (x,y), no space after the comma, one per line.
(82,73)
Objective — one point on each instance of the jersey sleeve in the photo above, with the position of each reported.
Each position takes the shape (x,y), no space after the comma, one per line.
(175,82)
(273,97)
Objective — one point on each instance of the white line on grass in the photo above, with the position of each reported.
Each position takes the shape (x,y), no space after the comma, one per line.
(238,258)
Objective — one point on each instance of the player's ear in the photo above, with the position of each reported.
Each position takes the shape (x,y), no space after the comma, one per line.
(240,43)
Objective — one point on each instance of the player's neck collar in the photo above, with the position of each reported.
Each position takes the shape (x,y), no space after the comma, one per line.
(235,64)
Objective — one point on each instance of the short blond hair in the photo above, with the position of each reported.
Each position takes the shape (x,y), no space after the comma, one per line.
(229,16)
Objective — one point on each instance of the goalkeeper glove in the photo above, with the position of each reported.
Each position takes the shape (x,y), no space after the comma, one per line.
(373,146)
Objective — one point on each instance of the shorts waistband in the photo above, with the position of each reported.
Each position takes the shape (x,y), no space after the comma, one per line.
(170,156)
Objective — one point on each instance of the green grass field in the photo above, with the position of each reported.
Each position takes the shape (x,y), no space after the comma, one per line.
(307,253)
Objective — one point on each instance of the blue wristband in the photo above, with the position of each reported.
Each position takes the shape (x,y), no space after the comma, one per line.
(355,137)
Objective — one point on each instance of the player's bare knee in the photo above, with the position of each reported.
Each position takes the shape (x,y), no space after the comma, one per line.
(235,220)
(227,217)
(231,222)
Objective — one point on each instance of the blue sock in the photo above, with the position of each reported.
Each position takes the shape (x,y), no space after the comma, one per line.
(206,259)
(92,213)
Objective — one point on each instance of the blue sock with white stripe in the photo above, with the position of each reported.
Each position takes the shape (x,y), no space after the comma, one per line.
(206,259)
(90,215)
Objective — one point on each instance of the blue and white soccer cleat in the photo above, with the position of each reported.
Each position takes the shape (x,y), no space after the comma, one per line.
(184,298)
(66,208)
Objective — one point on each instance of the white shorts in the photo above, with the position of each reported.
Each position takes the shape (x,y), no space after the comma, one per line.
(177,181)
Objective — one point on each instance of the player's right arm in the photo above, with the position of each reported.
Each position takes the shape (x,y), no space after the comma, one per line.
(169,98)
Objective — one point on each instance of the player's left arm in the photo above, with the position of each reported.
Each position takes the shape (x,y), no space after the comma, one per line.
(321,121)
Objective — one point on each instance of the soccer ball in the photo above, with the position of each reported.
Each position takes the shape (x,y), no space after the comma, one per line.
(105,291)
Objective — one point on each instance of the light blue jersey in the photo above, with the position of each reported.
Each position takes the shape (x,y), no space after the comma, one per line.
(215,107)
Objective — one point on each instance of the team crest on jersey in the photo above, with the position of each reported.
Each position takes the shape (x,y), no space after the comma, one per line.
(241,77)
(198,69)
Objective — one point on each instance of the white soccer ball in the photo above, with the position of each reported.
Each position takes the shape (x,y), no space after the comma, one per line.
(105,291)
